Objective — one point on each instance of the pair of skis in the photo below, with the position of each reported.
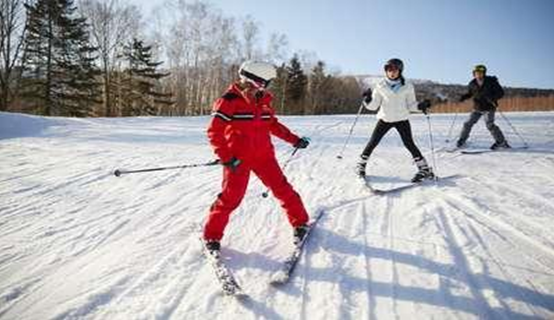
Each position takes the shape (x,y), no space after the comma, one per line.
(408,185)
(229,284)
(480,151)
(483,150)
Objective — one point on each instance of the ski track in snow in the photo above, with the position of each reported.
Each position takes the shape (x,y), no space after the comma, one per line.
(78,243)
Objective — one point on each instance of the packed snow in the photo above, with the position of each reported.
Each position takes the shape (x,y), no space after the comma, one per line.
(76,242)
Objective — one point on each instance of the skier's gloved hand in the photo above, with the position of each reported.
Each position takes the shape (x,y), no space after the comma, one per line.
(232,164)
(424,105)
(465,97)
(367,96)
(302,143)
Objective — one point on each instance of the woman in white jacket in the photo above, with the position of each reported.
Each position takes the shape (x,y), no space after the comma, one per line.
(395,98)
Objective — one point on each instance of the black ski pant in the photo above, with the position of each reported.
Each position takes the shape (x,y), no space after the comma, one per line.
(489,121)
(404,129)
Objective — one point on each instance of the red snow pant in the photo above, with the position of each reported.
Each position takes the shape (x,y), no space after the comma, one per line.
(234,187)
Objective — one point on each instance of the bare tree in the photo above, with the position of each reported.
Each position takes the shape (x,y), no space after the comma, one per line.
(112,24)
(277,48)
(12,35)
(204,48)
(200,45)
(250,34)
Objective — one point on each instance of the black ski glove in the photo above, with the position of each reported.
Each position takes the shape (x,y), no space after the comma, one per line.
(367,96)
(424,105)
(232,164)
(465,97)
(302,143)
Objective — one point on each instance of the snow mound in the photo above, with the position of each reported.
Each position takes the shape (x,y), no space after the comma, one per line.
(15,125)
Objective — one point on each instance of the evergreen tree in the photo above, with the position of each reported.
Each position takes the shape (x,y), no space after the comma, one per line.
(278,89)
(343,95)
(38,56)
(79,87)
(60,72)
(296,86)
(141,93)
(318,84)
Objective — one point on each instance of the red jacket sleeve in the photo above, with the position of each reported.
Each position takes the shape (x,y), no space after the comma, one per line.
(222,114)
(281,131)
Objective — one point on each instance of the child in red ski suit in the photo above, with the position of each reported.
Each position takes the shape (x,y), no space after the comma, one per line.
(240,134)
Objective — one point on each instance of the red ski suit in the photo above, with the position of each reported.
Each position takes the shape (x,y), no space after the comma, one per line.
(241,127)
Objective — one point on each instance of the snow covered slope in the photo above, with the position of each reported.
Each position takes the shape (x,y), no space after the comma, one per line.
(78,243)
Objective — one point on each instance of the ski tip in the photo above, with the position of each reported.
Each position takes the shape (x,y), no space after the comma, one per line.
(243,297)
(450,176)
(279,278)
(237,293)
(278,283)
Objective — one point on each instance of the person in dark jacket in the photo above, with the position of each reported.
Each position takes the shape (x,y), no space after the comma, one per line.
(485,91)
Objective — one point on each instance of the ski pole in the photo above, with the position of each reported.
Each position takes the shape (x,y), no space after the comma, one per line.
(265,194)
(432,144)
(445,99)
(339,156)
(451,127)
(514,129)
(119,172)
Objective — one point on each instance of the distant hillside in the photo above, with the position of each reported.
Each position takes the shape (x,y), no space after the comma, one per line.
(452,92)
(445,96)
(427,89)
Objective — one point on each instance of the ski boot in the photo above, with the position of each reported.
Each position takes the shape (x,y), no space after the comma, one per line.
(299,233)
(213,247)
(360,167)
(424,171)
(500,145)
(460,144)
(423,174)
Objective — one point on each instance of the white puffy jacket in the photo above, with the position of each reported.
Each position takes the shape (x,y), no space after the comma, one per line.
(393,106)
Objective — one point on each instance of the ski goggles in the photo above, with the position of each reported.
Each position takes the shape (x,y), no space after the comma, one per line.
(257,82)
(480,69)
(391,67)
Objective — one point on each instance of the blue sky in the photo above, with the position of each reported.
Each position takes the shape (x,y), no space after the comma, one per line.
(437,39)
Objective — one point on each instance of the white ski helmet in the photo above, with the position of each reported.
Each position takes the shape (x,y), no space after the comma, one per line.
(257,73)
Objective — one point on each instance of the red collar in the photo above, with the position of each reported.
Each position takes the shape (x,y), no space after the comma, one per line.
(235,88)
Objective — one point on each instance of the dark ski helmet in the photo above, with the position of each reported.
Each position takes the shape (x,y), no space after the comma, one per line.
(480,68)
(396,64)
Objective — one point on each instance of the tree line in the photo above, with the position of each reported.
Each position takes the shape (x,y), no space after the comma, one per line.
(102,58)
